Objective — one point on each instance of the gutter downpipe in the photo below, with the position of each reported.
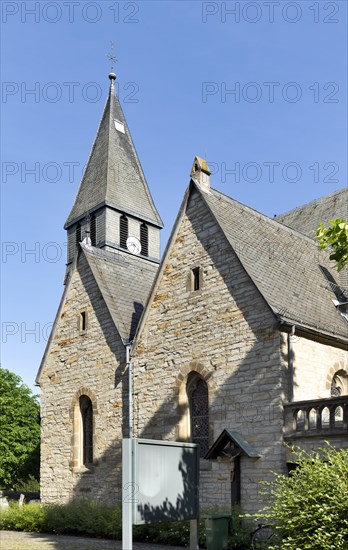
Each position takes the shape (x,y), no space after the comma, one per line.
(130,390)
(291,364)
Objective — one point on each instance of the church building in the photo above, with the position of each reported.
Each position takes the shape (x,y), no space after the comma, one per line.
(237,339)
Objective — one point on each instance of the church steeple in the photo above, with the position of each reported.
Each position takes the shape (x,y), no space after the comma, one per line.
(114,189)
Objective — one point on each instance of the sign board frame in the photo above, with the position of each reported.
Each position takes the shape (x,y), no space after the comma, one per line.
(172,469)
(185,459)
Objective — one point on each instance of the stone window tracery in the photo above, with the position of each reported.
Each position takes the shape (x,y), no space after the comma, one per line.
(339,384)
(86,433)
(198,398)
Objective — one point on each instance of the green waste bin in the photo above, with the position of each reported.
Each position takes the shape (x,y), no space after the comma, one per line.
(217,531)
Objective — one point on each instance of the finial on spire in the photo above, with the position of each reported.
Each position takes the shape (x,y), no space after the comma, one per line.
(112,58)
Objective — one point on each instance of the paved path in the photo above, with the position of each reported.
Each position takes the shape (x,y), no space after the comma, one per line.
(16,540)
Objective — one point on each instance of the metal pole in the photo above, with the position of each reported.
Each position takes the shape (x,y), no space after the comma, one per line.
(291,364)
(127,466)
(127,492)
(130,391)
(194,534)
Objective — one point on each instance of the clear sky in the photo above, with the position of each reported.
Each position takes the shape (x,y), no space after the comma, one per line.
(257,88)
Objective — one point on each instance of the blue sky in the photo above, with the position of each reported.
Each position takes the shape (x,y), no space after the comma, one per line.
(257,88)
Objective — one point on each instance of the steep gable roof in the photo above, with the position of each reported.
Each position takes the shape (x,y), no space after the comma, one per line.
(114,175)
(307,218)
(124,283)
(286,266)
(295,279)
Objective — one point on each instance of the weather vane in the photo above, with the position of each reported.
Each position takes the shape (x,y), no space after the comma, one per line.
(111,55)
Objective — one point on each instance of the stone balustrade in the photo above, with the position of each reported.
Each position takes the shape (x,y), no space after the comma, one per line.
(316,417)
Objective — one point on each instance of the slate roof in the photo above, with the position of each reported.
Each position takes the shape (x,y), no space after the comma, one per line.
(306,218)
(227,436)
(286,266)
(114,175)
(124,282)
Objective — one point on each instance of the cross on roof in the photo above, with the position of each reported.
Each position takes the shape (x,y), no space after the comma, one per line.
(111,55)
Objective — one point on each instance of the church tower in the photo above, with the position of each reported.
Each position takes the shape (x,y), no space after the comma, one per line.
(113,255)
(113,205)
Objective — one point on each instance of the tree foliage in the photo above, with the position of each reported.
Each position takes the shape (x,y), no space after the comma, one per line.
(336,237)
(19,432)
(309,508)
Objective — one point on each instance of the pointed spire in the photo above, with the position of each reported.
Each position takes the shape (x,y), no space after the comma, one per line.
(113,176)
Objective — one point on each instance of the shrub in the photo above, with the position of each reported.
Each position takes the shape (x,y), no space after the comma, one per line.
(97,520)
(309,508)
(29,517)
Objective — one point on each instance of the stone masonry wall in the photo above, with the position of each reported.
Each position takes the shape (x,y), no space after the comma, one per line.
(314,367)
(89,363)
(226,333)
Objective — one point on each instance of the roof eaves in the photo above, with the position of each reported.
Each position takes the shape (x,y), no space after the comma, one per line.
(315,330)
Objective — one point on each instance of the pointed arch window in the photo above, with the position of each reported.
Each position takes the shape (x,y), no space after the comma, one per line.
(144,239)
(93,230)
(339,384)
(86,433)
(198,398)
(78,234)
(123,231)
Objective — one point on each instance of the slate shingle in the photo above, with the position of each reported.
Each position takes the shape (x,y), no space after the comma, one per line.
(285,265)
(114,175)
(306,218)
(125,283)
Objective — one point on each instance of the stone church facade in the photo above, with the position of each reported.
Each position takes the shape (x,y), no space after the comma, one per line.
(237,338)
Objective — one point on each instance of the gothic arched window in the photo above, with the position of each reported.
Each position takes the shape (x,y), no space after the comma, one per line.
(93,230)
(144,239)
(198,398)
(86,433)
(336,387)
(123,231)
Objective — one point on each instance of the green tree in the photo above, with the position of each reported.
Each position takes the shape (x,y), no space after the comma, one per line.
(309,508)
(19,432)
(336,237)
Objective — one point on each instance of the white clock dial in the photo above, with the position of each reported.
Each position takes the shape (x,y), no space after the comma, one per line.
(133,245)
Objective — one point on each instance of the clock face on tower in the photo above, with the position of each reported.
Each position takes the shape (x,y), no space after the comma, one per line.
(133,245)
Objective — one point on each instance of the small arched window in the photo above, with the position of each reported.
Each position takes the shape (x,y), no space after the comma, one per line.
(123,231)
(144,239)
(198,398)
(93,230)
(86,433)
(78,234)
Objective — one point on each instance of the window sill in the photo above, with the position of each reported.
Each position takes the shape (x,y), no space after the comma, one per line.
(83,470)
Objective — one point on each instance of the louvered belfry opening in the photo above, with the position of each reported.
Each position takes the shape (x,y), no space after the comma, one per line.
(93,230)
(144,239)
(123,231)
(78,234)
